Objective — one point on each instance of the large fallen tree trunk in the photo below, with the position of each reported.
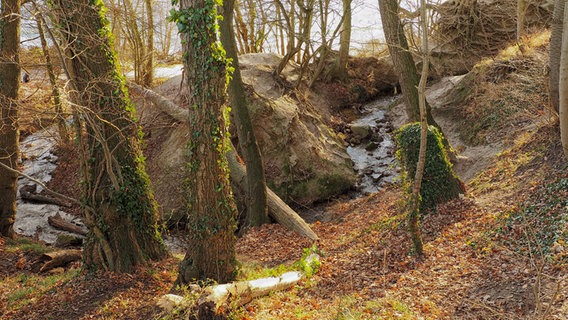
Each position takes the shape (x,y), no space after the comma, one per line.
(277,208)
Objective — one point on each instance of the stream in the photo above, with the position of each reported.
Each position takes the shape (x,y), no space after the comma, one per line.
(372,148)
(38,162)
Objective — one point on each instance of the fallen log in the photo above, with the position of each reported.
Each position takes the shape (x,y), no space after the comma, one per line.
(277,208)
(28,193)
(65,240)
(58,222)
(214,300)
(52,260)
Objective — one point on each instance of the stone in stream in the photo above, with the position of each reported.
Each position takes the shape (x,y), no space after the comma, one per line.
(377,176)
(372,145)
(361,131)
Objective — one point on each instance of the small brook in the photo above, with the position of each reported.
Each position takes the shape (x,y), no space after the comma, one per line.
(372,149)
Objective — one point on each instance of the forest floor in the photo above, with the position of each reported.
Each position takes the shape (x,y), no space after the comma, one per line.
(499,252)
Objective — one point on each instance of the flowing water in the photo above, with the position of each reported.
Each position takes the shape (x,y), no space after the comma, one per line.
(38,162)
(373,159)
(374,156)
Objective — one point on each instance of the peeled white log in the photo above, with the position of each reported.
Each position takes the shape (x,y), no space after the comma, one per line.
(214,299)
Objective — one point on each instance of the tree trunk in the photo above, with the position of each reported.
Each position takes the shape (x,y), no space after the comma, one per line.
(563,85)
(148,73)
(242,31)
(57,103)
(211,209)
(402,59)
(9,135)
(554,54)
(264,23)
(404,64)
(52,260)
(134,37)
(344,41)
(414,212)
(58,222)
(324,47)
(281,45)
(521,15)
(277,208)
(121,212)
(251,25)
(216,300)
(257,212)
(305,23)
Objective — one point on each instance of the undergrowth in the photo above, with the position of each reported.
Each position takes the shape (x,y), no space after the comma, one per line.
(439,182)
(539,227)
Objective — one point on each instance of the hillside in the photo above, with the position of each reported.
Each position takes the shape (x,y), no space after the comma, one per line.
(499,252)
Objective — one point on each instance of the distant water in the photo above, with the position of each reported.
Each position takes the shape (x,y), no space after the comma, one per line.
(163,72)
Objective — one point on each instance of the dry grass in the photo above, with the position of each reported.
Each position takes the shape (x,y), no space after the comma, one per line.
(368,270)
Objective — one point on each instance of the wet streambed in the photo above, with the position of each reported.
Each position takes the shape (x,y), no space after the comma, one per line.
(372,149)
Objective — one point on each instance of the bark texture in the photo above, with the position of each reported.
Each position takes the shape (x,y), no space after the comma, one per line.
(402,59)
(211,209)
(563,86)
(9,135)
(344,41)
(277,208)
(257,211)
(554,54)
(121,212)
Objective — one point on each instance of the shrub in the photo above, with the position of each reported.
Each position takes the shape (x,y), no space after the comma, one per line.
(439,183)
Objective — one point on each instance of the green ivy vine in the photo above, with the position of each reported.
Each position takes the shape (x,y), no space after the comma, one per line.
(206,58)
(439,183)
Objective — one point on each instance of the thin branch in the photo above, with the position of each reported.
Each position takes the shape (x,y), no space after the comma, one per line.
(55,193)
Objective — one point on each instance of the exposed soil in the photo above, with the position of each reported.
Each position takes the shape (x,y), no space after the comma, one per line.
(477,264)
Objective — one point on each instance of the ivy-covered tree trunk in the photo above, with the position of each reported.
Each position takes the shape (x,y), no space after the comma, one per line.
(121,212)
(211,209)
(9,86)
(439,182)
(257,210)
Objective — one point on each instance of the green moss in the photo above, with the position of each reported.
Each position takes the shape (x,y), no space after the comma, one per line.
(27,245)
(333,184)
(291,189)
(135,201)
(439,183)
